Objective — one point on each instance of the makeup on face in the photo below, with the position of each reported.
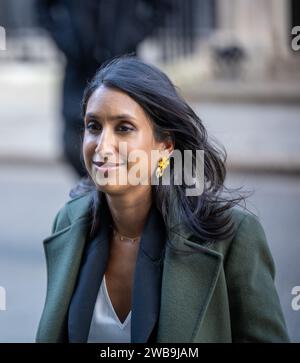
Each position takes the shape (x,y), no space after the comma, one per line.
(112,118)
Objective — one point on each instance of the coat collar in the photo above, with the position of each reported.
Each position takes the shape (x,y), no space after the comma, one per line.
(187,280)
(147,279)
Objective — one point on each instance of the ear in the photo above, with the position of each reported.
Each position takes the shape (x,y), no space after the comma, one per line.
(168,145)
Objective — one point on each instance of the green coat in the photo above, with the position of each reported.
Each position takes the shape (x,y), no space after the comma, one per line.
(223,292)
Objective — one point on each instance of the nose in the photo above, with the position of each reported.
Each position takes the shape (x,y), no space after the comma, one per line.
(105,144)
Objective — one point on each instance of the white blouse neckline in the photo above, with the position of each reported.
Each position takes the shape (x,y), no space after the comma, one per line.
(121,325)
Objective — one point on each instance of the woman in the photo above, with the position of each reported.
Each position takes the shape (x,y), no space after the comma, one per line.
(133,256)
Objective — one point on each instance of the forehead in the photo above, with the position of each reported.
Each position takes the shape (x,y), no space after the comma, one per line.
(106,100)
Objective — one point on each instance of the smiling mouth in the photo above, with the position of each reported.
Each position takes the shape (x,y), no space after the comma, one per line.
(102,164)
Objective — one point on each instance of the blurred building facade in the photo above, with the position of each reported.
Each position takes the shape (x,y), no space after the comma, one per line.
(228,37)
(263,28)
(208,40)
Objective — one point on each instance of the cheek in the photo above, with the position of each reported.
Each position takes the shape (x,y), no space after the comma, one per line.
(88,149)
(146,145)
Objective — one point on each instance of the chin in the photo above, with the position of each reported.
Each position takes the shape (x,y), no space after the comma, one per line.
(113,189)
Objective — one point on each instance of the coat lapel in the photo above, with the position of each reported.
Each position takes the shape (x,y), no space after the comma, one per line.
(89,279)
(63,251)
(147,278)
(171,291)
(188,282)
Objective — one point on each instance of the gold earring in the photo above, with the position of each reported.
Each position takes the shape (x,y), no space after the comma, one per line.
(162,164)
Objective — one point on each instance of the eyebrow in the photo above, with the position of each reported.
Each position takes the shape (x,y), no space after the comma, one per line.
(111,118)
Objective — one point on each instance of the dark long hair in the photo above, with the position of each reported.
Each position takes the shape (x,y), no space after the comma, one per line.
(204,215)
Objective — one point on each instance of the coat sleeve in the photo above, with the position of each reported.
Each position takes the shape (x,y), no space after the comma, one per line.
(255,309)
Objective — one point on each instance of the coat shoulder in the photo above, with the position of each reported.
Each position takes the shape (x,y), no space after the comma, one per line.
(78,207)
(249,233)
(244,219)
(249,270)
(73,209)
(238,214)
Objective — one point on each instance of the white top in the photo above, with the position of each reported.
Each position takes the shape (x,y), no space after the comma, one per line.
(106,327)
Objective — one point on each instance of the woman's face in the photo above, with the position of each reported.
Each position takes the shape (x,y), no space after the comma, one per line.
(112,117)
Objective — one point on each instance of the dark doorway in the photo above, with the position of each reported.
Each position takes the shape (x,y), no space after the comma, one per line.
(191,21)
(295,10)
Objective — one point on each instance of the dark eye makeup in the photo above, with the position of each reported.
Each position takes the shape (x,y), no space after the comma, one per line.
(93,126)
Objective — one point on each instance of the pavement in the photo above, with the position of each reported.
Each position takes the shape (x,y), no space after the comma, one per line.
(257,135)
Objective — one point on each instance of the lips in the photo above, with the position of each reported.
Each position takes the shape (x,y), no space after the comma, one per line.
(102,164)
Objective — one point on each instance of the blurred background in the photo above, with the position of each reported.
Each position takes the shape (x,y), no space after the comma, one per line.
(233,60)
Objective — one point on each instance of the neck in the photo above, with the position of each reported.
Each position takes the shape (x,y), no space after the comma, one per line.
(129,211)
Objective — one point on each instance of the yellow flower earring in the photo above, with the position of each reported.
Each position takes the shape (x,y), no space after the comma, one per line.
(162,164)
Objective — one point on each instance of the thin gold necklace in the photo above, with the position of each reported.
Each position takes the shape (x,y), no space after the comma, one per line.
(122,238)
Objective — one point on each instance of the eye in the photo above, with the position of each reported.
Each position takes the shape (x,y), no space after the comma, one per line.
(125,128)
(92,126)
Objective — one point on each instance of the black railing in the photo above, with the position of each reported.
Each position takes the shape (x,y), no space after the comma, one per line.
(190,21)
